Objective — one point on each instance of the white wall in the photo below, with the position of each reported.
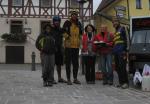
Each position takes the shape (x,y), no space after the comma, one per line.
(34,24)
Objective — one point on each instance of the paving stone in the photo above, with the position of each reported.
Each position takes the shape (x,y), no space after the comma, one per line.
(20,85)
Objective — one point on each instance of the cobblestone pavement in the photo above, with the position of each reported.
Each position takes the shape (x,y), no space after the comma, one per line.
(20,85)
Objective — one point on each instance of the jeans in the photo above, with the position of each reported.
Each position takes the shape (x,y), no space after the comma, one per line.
(106,66)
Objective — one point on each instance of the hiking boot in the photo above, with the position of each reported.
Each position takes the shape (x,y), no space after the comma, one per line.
(45,84)
(69,82)
(124,86)
(50,84)
(54,82)
(61,80)
(76,81)
(105,82)
(110,82)
(92,82)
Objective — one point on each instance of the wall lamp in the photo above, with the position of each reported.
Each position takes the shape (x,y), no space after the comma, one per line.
(25,20)
(7,21)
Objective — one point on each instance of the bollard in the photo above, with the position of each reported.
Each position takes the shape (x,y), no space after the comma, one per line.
(33,61)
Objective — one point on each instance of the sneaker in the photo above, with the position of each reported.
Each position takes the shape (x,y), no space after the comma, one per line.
(110,82)
(76,81)
(69,82)
(61,80)
(124,86)
(54,82)
(92,82)
(105,82)
(45,84)
(50,84)
(117,85)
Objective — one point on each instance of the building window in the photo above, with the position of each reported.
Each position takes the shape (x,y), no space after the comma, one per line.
(138,4)
(16,27)
(74,4)
(17,2)
(149,4)
(46,3)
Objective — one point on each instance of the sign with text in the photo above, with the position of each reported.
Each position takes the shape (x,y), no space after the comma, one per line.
(141,23)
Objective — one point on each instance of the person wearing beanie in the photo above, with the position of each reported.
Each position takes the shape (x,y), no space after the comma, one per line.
(72,36)
(58,35)
(119,51)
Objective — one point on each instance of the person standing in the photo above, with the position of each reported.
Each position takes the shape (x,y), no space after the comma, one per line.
(89,53)
(45,43)
(73,31)
(105,54)
(119,51)
(58,35)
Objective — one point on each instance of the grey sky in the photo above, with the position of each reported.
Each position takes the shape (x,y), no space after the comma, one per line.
(96,4)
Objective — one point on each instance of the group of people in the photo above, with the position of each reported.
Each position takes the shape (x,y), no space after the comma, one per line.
(58,45)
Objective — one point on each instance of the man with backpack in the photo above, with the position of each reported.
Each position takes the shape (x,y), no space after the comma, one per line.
(58,35)
(45,43)
(73,32)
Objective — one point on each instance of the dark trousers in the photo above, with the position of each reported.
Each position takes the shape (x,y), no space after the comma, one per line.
(48,62)
(90,68)
(72,57)
(83,59)
(120,63)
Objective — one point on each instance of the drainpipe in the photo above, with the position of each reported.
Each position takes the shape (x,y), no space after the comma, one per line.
(128,9)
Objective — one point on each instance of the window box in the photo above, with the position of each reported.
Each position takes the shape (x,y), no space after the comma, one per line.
(15,38)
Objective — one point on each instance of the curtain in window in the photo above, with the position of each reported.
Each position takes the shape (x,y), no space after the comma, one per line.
(46,3)
(138,4)
(17,2)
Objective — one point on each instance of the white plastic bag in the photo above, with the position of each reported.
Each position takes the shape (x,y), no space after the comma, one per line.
(137,78)
(146,70)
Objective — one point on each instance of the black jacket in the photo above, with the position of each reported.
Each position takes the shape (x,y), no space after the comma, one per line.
(46,43)
(67,25)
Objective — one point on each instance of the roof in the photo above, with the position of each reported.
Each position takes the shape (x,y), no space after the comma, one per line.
(104,4)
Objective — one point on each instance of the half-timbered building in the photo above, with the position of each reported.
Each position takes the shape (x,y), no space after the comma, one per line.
(27,17)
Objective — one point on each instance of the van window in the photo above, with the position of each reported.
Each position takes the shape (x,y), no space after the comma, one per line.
(141,36)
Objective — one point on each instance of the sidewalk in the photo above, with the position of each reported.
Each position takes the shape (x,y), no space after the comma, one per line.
(20,85)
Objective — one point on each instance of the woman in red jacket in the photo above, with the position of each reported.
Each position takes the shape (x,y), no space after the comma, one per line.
(88,52)
(105,52)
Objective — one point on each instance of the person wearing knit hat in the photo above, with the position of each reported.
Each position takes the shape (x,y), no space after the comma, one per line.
(73,32)
(58,35)
(119,51)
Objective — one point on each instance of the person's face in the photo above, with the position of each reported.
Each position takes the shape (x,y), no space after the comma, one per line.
(115,24)
(48,29)
(74,16)
(56,23)
(103,28)
(89,29)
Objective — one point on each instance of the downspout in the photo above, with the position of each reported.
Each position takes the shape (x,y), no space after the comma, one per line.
(128,10)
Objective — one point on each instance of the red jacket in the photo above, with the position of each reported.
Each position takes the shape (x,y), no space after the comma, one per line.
(108,39)
(85,43)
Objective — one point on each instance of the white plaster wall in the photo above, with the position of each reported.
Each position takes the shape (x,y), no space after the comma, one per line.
(29,46)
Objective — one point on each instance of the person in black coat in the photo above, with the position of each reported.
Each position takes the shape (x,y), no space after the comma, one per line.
(58,35)
(45,43)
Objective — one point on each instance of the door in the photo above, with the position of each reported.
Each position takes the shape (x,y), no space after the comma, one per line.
(14,54)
